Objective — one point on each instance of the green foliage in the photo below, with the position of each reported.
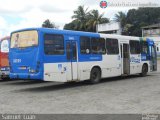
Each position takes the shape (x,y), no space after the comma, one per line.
(84,20)
(48,24)
(142,17)
(121,17)
(95,18)
(136,19)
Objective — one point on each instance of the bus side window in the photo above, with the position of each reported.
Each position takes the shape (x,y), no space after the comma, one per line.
(98,46)
(74,51)
(85,45)
(68,50)
(112,47)
(144,47)
(134,47)
(53,44)
(121,51)
(102,45)
(4,46)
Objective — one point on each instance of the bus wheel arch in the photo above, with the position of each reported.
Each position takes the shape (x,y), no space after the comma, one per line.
(95,74)
(144,70)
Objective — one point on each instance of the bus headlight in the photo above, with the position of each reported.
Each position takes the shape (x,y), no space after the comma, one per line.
(3,69)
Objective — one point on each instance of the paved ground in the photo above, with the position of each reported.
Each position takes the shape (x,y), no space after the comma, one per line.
(130,95)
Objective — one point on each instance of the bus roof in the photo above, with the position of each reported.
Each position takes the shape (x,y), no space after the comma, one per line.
(120,37)
(51,30)
(82,33)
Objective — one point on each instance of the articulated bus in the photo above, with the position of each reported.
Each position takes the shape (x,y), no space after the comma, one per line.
(4,62)
(63,56)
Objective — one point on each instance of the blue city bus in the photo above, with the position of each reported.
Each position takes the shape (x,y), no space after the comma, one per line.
(63,56)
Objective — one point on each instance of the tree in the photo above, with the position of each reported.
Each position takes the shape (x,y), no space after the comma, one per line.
(142,17)
(135,19)
(74,25)
(94,19)
(80,16)
(84,20)
(48,24)
(121,17)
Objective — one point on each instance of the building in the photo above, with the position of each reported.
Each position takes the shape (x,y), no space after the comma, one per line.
(110,28)
(151,30)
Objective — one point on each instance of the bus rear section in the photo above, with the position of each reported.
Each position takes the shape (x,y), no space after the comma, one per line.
(4,62)
(24,55)
(54,57)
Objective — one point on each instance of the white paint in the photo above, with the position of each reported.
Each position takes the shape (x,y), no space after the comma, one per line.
(53,73)
(111,65)
(112,26)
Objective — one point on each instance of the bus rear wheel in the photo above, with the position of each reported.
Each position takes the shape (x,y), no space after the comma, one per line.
(144,70)
(95,75)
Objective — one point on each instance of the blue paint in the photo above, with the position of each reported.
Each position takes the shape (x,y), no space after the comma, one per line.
(60,66)
(33,57)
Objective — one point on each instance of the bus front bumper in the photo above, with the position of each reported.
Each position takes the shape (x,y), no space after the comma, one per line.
(4,74)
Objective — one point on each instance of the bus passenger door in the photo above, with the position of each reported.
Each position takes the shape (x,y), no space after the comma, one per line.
(125,59)
(72,65)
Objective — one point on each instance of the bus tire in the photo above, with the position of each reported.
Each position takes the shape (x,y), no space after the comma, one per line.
(144,70)
(95,75)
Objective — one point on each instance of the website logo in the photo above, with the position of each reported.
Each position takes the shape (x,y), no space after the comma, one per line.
(103,4)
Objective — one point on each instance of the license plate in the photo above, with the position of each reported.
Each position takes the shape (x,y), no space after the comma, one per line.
(23,68)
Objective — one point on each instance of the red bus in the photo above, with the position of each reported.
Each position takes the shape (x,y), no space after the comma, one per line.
(4,63)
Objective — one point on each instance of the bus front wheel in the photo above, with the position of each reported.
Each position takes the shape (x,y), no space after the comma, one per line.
(144,70)
(95,75)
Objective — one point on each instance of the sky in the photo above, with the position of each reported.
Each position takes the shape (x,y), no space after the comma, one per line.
(18,14)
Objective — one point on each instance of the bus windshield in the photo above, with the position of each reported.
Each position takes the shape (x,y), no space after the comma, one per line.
(5,46)
(24,39)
